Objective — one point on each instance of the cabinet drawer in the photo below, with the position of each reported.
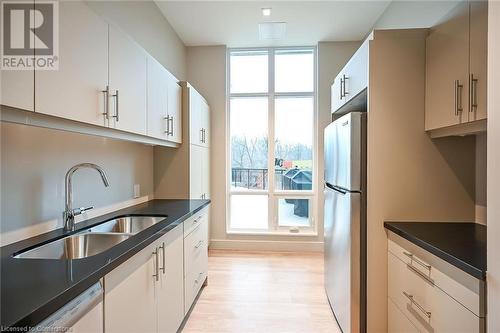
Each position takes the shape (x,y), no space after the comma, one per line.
(425,304)
(193,283)
(195,220)
(463,287)
(196,250)
(397,321)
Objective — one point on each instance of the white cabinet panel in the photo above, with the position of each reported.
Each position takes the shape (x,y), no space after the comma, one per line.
(157,99)
(205,122)
(426,305)
(196,172)
(74,91)
(195,117)
(171,288)
(130,295)
(17,89)
(127,76)
(397,321)
(91,322)
(205,173)
(175,109)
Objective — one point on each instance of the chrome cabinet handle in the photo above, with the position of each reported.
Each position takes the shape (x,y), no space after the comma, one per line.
(167,123)
(201,135)
(344,90)
(106,102)
(172,125)
(458,98)
(341,83)
(157,263)
(117,109)
(199,244)
(472,93)
(420,307)
(162,247)
(418,261)
(419,273)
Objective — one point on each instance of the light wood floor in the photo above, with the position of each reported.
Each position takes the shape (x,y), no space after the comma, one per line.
(263,292)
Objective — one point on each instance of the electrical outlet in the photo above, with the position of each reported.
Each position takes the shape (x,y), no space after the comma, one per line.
(137,191)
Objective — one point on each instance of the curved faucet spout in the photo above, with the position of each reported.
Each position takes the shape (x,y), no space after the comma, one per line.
(70,213)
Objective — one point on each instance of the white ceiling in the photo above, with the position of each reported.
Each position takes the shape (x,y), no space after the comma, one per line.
(235,23)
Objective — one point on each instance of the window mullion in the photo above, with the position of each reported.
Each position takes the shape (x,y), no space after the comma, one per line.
(272,209)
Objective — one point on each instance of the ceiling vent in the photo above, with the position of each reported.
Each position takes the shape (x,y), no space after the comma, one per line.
(272,30)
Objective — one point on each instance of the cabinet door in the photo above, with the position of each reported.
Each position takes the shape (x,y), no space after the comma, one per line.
(157,99)
(335,90)
(195,171)
(175,108)
(92,321)
(478,59)
(205,173)
(127,81)
(171,290)
(447,61)
(74,91)
(205,122)
(17,87)
(129,295)
(195,117)
(397,321)
(356,73)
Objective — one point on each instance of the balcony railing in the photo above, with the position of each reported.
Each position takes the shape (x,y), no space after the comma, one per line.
(257,179)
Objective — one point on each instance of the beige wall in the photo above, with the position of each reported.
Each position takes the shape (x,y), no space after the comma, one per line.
(481,190)
(144,22)
(34,162)
(410,176)
(493,275)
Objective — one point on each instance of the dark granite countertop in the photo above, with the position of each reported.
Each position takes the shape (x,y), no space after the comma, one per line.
(461,244)
(32,289)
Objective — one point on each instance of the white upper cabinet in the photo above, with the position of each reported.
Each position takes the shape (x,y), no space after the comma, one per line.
(199,119)
(456,56)
(127,83)
(17,89)
(174,109)
(74,91)
(352,79)
(157,99)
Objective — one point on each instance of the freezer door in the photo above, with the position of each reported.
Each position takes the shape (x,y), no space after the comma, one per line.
(343,144)
(342,257)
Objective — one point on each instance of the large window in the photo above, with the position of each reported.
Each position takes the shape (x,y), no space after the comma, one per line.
(272,140)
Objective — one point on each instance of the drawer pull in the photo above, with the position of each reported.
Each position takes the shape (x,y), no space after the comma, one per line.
(420,307)
(421,263)
(199,244)
(419,273)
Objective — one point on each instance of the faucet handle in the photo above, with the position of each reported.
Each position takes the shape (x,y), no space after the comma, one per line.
(81,210)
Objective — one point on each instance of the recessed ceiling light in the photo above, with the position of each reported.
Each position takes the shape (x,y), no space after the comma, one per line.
(266,11)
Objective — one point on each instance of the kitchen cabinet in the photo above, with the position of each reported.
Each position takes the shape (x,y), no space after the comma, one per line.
(74,91)
(17,89)
(157,99)
(174,109)
(92,321)
(164,97)
(455,88)
(429,294)
(352,79)
(195,257)
(170,291)
(145,294)
(199,169)
(127,83)
(199,115)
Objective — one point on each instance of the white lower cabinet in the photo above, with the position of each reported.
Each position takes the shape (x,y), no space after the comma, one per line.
(199,169)
(195,256)
(90,322)
(419,297)
(145,294)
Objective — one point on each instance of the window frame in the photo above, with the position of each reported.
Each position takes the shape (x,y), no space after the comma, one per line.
(274,195)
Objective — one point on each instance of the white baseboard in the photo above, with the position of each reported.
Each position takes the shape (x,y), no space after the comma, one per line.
(265,245)
(46,226)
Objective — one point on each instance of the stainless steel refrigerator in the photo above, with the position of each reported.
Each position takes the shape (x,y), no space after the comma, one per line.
(345,220)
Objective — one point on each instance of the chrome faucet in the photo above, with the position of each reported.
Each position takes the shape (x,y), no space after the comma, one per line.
(70,213)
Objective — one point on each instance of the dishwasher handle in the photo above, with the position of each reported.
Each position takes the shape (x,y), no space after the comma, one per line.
(64,318)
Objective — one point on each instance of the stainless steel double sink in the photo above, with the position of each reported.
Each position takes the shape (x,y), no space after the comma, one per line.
(92,241)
